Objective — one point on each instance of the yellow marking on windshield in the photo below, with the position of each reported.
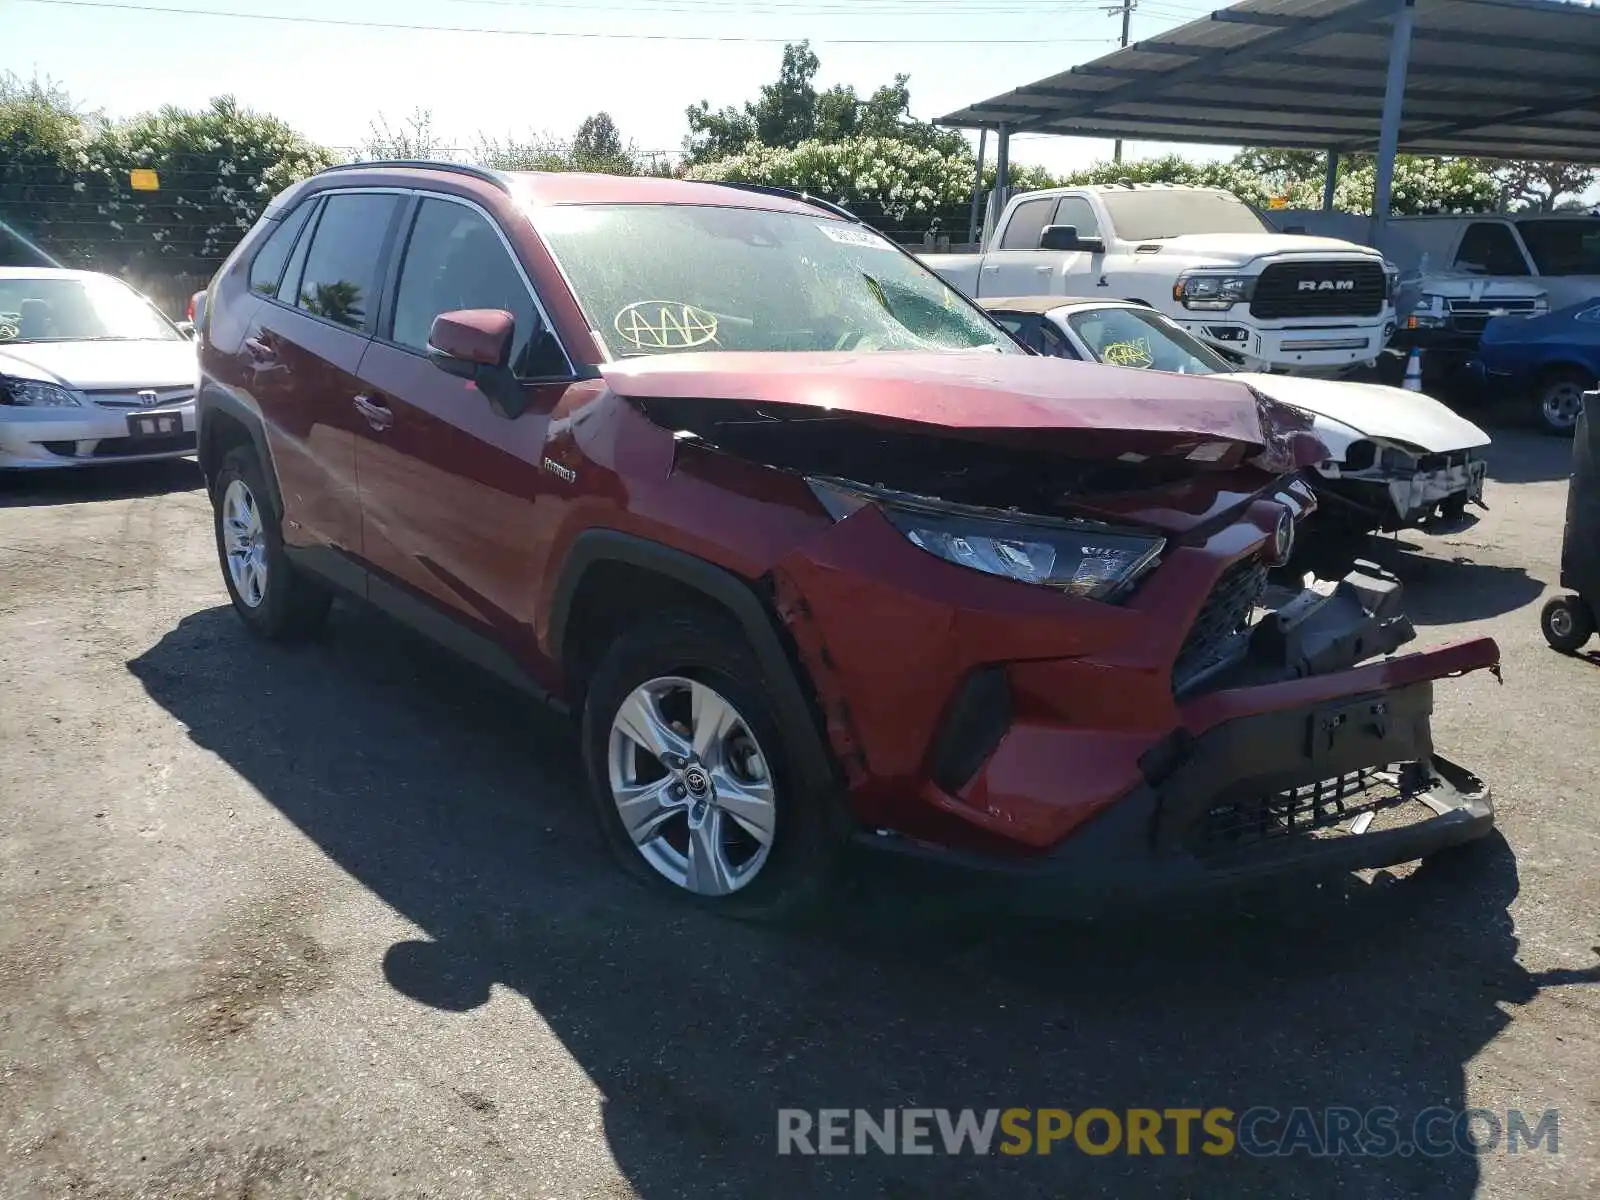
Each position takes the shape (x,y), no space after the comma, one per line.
(1132,353)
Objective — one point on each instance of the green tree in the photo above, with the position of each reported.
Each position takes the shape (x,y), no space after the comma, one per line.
(1541,186)
(786,112)
(596,146)
(791,110)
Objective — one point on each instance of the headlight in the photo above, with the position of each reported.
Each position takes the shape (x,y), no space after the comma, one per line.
(1391,282)
(1213,293)
(34,393)
(1392,458)
(1431,312)
(1081,558)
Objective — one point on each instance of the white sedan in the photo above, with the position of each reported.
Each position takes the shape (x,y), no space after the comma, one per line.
(90,372)
(1396,458)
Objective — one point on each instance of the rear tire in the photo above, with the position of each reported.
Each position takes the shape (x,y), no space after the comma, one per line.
(1566,623)
(690,676)
(273,599)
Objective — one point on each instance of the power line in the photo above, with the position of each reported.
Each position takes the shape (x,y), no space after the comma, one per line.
(352,23)
(920,9)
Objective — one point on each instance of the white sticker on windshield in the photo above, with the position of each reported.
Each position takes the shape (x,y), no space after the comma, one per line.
(852,235)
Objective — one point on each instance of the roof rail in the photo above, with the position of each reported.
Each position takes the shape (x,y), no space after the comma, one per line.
(764,189)
(483,173)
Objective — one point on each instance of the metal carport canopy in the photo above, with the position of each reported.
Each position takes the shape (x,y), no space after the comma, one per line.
(1489,78)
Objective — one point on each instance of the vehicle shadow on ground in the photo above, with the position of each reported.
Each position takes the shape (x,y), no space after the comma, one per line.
(86,485)
(1522,455)
(1446,591)
(461,807)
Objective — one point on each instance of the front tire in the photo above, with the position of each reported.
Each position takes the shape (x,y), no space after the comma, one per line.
(1566,623)
(1559,399)
(272,598)
(692,778)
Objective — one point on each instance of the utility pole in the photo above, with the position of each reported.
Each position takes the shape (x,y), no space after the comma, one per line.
(1127,18)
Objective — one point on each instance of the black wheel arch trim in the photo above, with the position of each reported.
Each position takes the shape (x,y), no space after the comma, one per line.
(728,591)
(214,400)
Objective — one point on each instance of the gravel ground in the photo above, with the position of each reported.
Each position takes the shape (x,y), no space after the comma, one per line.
(332,921)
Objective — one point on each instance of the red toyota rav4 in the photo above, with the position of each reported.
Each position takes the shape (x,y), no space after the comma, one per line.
(814,548)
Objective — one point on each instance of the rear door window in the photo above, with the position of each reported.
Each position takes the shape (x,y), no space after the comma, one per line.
(340,281)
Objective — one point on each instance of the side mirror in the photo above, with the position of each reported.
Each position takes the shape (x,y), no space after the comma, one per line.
(1065,237)
(186,328)
(475,344)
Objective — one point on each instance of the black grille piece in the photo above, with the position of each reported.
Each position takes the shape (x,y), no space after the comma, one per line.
(1439,462)
(65,449)
(1224,618)
(130,447)
(977,719)
(1325,809)
(1313,289)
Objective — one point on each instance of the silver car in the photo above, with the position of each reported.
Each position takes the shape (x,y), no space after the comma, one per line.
(90,372)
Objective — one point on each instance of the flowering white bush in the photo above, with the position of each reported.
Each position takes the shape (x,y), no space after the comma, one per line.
(905,187)
(896,182)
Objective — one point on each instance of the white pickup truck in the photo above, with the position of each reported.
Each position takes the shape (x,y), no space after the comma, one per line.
(1201,256)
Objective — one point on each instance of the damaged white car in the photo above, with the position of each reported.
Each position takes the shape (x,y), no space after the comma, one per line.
(1396,458)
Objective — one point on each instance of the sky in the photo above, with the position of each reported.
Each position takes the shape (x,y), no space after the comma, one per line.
(643,61)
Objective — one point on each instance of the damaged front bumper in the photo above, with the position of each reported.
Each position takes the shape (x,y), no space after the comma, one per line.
(1293,761)
(1397,498)
(1416,497)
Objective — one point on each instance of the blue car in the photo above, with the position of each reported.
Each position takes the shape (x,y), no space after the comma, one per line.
(1551,360)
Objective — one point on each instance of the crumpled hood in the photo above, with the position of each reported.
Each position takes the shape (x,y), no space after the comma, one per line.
(103,365)
(1375,411)
(1241,248)
(1026,400)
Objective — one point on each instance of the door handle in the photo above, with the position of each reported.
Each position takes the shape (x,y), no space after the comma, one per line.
(379,417)
(1044,270)
(261,354)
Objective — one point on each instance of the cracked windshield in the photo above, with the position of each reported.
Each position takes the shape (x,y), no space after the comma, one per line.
(657,279)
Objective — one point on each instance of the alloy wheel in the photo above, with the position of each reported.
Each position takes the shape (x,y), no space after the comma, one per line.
(244,542)
(692,786)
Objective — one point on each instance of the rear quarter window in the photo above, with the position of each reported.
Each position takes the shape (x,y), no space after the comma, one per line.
(266,269)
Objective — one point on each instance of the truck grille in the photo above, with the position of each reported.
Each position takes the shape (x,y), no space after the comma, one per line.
(1223,620)
(1470,316)
(1324,809)
(1313,289)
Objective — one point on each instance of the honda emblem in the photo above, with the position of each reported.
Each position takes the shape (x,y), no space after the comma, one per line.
(147,397)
